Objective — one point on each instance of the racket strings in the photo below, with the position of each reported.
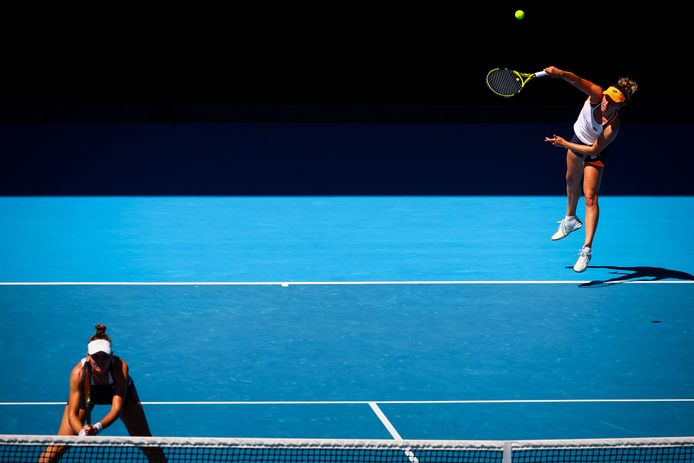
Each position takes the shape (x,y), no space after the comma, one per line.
(504,82)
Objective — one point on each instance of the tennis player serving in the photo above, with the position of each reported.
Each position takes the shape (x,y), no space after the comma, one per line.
(108,382)
(595,129)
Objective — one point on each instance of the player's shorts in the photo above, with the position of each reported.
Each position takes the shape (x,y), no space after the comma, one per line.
(103,394)
(596,160)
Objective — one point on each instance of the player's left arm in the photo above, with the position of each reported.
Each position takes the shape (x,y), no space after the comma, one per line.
(603,141)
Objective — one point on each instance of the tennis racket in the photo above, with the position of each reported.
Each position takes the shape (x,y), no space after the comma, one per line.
(87,392)
(507,82)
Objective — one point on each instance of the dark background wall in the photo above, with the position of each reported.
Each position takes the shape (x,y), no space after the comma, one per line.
(327,158)
(346,100)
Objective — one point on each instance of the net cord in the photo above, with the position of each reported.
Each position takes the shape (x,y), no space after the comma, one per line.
(203,442)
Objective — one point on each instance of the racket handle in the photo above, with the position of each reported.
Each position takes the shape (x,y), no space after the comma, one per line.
(540,74)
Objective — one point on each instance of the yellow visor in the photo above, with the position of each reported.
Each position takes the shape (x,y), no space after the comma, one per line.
(615,94)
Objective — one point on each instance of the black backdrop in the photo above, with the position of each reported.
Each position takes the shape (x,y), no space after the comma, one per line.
(123,102)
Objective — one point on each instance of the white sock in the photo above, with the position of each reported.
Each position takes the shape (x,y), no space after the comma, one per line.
(569,217)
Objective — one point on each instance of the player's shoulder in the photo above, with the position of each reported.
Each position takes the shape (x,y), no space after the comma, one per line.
(613,127)
(594,93)
(80,363)
(76,372)
(120,364)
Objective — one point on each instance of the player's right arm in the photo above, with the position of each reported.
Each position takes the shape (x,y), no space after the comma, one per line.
(594,91)
(73,404)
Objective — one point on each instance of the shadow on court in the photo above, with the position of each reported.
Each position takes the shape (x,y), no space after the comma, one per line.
(643,273)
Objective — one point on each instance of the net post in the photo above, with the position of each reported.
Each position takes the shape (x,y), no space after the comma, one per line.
(507,452)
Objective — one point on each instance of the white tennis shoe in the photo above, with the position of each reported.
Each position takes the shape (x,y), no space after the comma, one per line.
(566,227)
(583,259)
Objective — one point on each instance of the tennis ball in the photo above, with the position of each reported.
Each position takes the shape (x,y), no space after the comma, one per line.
(520,14)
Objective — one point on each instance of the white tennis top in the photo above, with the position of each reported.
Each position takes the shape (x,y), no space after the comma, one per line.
(586,128)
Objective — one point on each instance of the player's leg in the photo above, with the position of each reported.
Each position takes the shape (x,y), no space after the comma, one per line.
(53,453)
(135,421)
(574,175)
(591,190)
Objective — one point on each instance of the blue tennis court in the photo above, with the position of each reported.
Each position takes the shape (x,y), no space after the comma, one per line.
(354,317)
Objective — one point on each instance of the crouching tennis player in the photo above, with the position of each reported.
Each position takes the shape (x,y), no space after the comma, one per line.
(102,378)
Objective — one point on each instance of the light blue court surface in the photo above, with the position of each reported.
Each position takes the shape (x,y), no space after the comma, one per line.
(333,238)
(456,318)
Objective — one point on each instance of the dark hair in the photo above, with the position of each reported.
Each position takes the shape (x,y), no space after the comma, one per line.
(100,333)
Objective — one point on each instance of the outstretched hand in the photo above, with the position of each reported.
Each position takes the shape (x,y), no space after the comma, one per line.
(556,140)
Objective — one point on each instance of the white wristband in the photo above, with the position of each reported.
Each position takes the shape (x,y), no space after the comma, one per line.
(98,426)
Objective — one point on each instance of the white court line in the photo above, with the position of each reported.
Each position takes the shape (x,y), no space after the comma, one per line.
(386,422)
(387,402)
(296,283)
(391,429)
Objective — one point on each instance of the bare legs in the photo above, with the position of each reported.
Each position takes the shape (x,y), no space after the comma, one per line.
(574,175)
(133,416)
(591,189)
(591,176)
(53,452)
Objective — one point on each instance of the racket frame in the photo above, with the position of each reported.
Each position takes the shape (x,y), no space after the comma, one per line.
(86,392)
(522,77)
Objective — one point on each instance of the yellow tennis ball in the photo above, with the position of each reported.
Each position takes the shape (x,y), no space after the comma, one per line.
(520,14)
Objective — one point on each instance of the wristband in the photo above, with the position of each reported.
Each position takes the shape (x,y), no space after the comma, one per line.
(98,426)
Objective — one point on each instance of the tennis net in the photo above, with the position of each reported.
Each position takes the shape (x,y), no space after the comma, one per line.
(69,449)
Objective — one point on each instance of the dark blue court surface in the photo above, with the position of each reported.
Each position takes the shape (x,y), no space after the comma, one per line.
(439,317)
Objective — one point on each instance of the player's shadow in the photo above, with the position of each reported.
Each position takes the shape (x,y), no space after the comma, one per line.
(642,273)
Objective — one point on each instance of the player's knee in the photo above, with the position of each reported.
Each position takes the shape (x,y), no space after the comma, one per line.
(591,200)
(572,180)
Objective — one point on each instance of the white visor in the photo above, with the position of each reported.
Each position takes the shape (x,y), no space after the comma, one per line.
(98,345)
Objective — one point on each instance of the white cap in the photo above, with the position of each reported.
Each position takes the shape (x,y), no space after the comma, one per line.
(99,345)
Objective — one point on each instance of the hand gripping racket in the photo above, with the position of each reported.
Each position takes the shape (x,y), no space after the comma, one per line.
(507,82)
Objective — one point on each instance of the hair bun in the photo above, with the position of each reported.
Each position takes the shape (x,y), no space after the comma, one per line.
(101,328)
